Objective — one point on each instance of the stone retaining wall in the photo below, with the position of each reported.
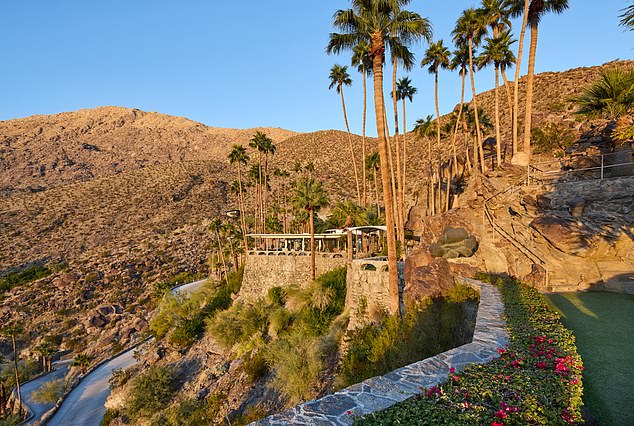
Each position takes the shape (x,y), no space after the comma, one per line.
(381,392)
(367,283)
(264,270)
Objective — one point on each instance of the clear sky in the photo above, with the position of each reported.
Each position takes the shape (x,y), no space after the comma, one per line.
(239,63)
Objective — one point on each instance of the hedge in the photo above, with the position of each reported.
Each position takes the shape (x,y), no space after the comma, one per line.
(536,379)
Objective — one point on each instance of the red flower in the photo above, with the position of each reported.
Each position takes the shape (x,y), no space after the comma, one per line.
(348,412)
(452,370)
(541,365)
(500,414)
(455,378)
(497,424)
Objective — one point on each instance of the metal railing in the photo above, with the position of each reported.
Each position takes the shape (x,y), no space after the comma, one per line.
(582,167)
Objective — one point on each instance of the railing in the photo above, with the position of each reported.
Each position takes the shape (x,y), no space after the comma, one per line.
(582,167)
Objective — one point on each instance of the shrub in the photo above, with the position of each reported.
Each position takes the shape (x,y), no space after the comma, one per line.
(552,138)
(255,365)
(277,296)
(151,391)
(50,392)
(187,413)
(238,323)
(422,332)
(536,380)
(23,276)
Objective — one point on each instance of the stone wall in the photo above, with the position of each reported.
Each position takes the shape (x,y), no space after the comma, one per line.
(381,392)
(367,291)
(264,270)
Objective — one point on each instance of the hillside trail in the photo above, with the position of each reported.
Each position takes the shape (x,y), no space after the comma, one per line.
(84,405)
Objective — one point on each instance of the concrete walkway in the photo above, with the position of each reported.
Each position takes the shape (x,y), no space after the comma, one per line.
(28,390)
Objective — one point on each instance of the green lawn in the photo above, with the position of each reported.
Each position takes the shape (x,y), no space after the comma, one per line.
(603,324)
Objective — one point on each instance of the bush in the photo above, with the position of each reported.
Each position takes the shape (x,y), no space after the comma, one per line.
(238,323)
(151,391)
(422,332)
(50,392)
(255,365)
(552,138)
(536,380)
(23,276)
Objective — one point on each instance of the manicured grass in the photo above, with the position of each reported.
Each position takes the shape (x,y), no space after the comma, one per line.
(603,324)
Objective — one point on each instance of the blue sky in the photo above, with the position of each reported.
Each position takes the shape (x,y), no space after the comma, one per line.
(239,63)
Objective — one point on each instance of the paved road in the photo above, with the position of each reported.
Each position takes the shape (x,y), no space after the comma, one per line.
(28,389)
(85,404)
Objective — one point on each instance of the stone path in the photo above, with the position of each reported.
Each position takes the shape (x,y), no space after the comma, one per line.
(379,393)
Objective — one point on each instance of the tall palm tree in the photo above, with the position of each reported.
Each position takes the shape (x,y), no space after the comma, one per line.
(460,62)
(404,91)
(258,142)
(310,196)
(436,57)
(470,28)
(497,14)
(627,18)
(362,61)
(12,331)
(269,149)
(402,57)
(518,66)
(338,78)
(536,11)
(424,130)
(495,51)
(239,157)
(216,226)
(373,21)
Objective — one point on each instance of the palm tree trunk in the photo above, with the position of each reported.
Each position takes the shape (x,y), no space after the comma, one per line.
(475,106)
(17,374)
(439,203)
(455,130)
(259,191)
(352,156)
(516,88)
(507,87)
(378,50)
(394,207)
(365,110)
(265,191)
(222,255)
(448,190)
(529,90)
(376,188)
(399,182)
(437,110)
(498,136)
(312,243)
(404,178)
(243,220)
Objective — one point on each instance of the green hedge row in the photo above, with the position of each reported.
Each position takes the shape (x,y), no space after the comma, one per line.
(536,380)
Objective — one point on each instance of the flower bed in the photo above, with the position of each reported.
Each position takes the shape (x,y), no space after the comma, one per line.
(536,380)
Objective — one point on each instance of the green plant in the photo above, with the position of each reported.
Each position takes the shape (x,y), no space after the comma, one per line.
(255,365)
(425,330)
(23,276)
(552,138)
(151,391)
(50,392)
(536,379)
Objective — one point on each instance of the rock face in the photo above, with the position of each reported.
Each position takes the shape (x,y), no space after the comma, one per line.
(567,236)
(425,276)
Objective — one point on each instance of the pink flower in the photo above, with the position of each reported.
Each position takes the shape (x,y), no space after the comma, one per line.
(541,365)
(497,424)
(452,370)
(500,414)
(348,412)
(455,378)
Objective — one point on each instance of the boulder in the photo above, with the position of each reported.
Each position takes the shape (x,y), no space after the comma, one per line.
(536,278)
(454,243)
(425,276)
(566,236)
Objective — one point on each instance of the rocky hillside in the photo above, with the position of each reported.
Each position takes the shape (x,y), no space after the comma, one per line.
(41,152)
(124,195)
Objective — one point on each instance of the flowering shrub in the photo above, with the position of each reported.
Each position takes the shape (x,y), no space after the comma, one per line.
(536,379)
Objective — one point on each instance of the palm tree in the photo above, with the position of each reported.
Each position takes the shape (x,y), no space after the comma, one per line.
(610,97)
(82,361)
(338,78)
(424,130)
(536,11)
(216,226)
(497,14)
(497,51)
(373,164)
(258,142)
(269,149)
(436,57)
(404,90)
(239,157)
(13,330)
(469,31)
(310,196)
(45,349)
(362,61)
(402,56)
(627,18)
(373,21)
(460,61)
(518,66)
